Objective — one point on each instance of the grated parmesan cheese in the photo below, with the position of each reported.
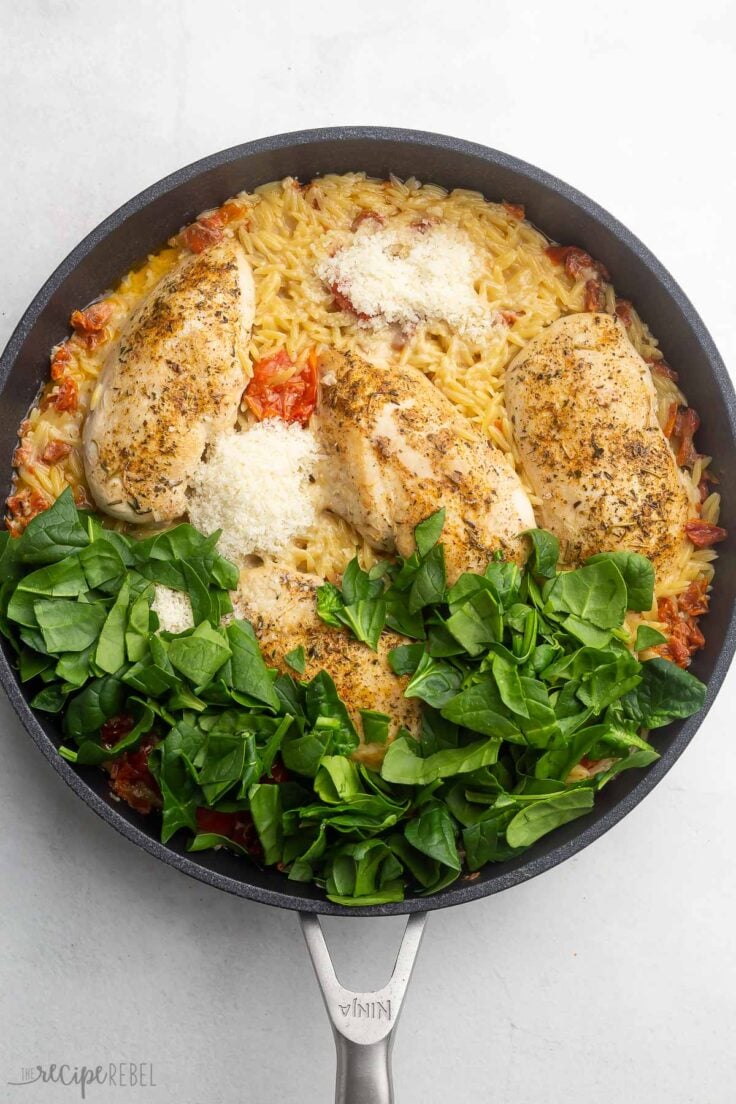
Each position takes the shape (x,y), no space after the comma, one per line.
(174,609)
(255,487)
(407,275)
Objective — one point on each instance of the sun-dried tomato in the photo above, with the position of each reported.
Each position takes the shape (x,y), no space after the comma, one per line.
(131,779)
(60,361)
(509,317)
(703,534)
(687,424)
(595,296)
(662,368)
(115,728)
(200,236)
(67,396)
(576,261)
(516,210)
(237,826)
(623,311)
(55,451)
(694,600)
(92,319)
(274,393)
(27,503)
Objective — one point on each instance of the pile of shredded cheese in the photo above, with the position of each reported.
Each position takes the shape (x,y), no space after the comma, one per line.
(174,609)
(407,276)
(254,486)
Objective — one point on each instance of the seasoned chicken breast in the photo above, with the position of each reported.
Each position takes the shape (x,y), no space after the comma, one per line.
(170,386)
(396,450)
(582,406)
(282,607)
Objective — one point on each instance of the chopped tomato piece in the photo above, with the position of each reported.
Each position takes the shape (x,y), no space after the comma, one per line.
(703,534)
(516,210)
(238,827)
(60,361)
(686,426)
(93,319)
(22,455)
(694,600)
(623,311)
(277,391)
(676,651)
(67,396)
(27,503)
(595,297)
(113,730)
(55,451)
(575,260)
(131,779)
(662,368)
(200,236)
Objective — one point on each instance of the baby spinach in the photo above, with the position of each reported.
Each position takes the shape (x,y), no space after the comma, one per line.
(522,674)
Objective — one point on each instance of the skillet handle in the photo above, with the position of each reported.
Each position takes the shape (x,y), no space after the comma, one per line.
(363,1024)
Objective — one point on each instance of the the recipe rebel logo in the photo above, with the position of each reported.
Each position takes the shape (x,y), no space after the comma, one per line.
(114,1075)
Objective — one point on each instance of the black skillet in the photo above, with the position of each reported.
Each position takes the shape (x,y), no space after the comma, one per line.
(363,1022)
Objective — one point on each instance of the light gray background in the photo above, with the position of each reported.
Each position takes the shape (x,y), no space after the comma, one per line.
(610,978)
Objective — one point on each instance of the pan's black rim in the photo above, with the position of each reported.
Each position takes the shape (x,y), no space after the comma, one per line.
(534,865)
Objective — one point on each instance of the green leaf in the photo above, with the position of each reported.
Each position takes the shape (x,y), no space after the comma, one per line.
(637,573)
(53,534)
(647,637)
(481,709)
(595,594)
(403,763)
(201,655)
(434,682)
(296,660)
(428,585)
(544,554)
(137,628)
(428,532)
(536,820)
(110,653)
(67,625)
(87,711)
(266,810)
(250,674)
(376,726)
(665,693)
(329,604)
(366,619)
(405,659)
(433,833)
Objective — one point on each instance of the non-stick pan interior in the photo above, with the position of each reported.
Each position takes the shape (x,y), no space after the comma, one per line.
(144,224)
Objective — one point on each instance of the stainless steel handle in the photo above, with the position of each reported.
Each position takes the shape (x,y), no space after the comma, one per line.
(363,1024)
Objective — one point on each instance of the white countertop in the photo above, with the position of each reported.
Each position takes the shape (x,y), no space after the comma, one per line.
(608,979)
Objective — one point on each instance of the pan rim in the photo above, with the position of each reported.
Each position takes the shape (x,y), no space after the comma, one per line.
(461,892)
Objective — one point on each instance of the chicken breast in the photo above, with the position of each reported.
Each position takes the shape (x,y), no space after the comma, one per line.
(396,450)
(170,386)
(583,410)
(282,607)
